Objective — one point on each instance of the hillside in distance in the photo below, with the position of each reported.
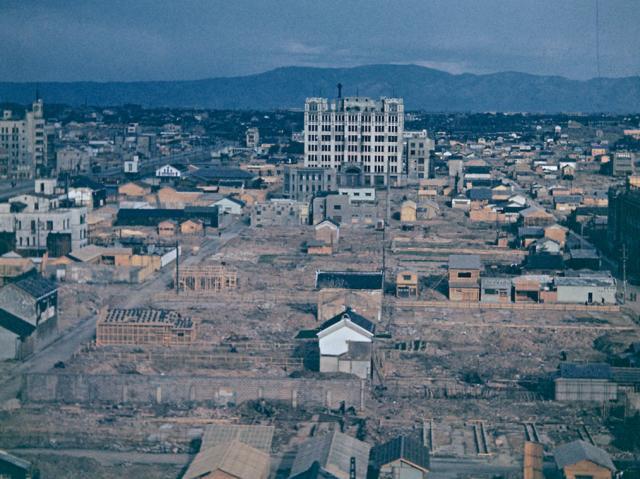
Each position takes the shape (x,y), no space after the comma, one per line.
(287,87)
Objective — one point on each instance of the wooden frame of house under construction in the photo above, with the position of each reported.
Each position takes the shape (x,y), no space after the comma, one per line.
(158,327)
(206,279)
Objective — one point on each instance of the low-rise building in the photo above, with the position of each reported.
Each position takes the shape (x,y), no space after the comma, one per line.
(408,211)
(464,277)
(279,212)
(586,288)
(580,460)
(585,382)
(345,344)
(28,316)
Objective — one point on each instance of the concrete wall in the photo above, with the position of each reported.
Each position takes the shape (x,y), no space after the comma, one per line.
(136,389)
(599,390)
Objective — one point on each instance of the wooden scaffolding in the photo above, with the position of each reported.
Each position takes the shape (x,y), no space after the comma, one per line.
(205,279)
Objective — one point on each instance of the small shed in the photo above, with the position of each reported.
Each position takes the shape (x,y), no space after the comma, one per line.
(167,228)
(192,227)
(328,232)
(408,211)
(407,284)
(495,290)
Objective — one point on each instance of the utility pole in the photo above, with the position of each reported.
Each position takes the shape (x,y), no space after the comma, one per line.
(177,267)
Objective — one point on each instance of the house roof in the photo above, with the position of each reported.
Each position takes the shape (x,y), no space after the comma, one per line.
(584,253)
(531,231)
(328,222)
(585,371)
(232,199)
(576,451)
(257,436)
(352,316)
(402,447)
(464,261)
(544,261)
(349,279)
(36,286)
(234,458)
(335,449)
(479,194)
(595,280)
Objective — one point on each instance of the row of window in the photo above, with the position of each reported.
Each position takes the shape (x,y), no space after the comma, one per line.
(312,117)
(354,138)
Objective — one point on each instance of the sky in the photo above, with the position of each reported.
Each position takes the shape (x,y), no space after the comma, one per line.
(116,40)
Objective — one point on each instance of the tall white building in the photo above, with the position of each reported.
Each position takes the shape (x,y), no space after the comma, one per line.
(25,142)
(355,132)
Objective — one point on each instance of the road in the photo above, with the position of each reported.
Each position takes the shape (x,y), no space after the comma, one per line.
(73,338)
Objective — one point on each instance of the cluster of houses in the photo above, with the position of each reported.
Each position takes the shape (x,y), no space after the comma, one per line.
(579,287)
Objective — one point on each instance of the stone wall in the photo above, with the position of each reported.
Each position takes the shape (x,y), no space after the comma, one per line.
(142,389)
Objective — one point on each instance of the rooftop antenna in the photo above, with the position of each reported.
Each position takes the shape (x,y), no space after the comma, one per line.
(37,91)
(339,90)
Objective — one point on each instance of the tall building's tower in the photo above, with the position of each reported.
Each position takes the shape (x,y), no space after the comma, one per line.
(25,142)
(356,132)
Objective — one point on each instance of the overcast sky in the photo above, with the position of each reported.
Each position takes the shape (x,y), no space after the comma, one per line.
(189,39)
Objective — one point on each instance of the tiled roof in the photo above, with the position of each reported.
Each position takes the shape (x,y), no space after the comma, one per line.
(352,316)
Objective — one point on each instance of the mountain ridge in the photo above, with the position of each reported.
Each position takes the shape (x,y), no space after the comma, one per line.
(422,88)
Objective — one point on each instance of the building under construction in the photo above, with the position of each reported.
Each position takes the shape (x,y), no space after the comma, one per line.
(204,279)
(158,327)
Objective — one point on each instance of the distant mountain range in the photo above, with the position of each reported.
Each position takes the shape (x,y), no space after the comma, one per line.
(422,89)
